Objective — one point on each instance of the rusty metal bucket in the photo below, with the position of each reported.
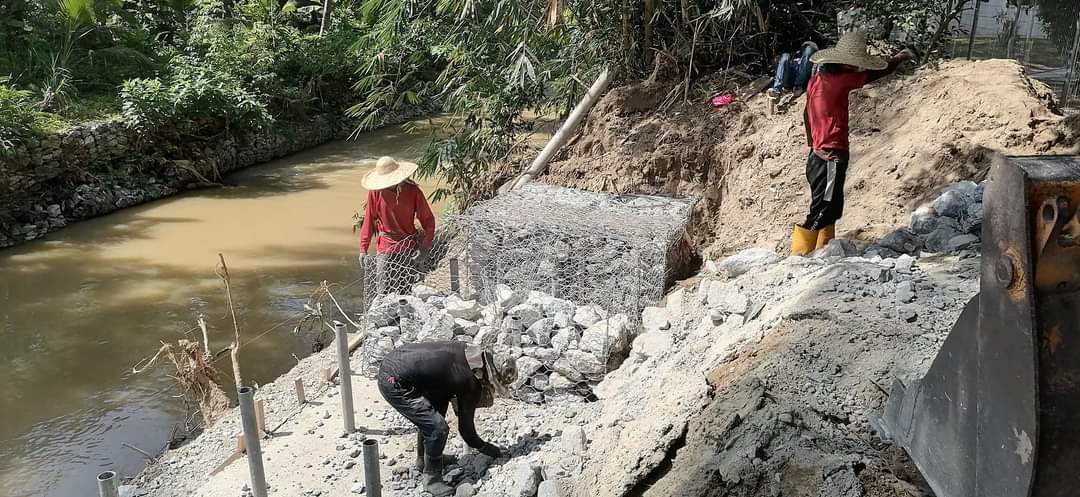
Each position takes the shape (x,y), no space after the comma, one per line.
(998,412)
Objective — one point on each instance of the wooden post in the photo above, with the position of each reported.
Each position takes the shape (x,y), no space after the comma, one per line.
(300,399)
(260,416)
(327,375)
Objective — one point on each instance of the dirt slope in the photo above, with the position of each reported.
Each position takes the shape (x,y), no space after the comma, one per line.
(911,135)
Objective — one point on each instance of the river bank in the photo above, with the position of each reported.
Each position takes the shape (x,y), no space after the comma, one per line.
(83,305)
(97,168)
(696,362)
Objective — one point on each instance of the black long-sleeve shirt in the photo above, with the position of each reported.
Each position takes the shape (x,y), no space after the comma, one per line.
(439,372)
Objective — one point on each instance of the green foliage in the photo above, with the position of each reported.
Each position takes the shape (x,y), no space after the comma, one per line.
(1060,17)
(176,59)
(925,23)
(488,62)
(193,100)
(17,117)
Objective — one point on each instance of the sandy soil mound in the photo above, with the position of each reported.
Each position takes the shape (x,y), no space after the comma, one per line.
(911,135)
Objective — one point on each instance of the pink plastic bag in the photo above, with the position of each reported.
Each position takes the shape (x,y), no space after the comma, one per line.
(723,99)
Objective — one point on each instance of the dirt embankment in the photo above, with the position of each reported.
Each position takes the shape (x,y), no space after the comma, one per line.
(911,135)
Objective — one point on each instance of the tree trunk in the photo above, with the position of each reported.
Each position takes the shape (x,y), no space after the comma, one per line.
(646,49)
(1012,32)
(627,48)
(948,15)
(227,7)
(328,9)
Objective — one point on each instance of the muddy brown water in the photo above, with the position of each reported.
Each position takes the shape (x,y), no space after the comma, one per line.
(81,307)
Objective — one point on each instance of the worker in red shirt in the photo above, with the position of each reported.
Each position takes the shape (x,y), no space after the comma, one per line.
(394,204)
(841,69)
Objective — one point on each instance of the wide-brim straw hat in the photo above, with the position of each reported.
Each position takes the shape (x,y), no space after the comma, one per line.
(851,51)
(388,172)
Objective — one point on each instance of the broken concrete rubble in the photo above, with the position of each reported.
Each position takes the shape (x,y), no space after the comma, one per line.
(543,334)
(754,407)
(725,297)
(951,223)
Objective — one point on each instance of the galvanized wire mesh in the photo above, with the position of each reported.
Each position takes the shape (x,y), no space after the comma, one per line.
(554,278)
(590,248)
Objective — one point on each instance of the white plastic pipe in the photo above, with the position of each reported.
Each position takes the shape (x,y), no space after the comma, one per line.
(345,376)
(106,483)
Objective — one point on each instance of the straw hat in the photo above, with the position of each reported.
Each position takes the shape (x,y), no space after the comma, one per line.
(388,172)
(850,50)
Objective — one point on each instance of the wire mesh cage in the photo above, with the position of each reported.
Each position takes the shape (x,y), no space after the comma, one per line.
(553,277)
(590,248)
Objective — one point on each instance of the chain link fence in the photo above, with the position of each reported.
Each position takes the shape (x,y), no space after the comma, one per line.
(552,278)
(1044,35)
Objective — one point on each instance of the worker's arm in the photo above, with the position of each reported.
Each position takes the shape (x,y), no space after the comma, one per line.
(465,408)
(894,63)
(806,124)
(368,227)
(427,219)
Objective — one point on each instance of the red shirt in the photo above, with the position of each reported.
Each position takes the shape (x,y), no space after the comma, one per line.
(827,108)
(394,210)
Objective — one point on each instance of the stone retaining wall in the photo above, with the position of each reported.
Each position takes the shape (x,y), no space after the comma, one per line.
(100,167)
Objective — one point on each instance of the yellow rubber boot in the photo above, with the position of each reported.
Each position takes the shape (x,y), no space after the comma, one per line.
(803,240)
(825,235)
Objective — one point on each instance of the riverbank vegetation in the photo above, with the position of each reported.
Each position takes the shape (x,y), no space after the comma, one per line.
(193,69)
(171,68)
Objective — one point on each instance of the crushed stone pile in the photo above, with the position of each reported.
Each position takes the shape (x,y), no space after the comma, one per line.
(754,378)
(912,134)
(560,348)
(774,401)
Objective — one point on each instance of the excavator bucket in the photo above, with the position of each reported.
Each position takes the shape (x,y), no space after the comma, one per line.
(998,412)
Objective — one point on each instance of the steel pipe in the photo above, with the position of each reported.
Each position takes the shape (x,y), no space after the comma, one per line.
(106,484)
(455,279)
(251,441)
(345,376)
(372,479)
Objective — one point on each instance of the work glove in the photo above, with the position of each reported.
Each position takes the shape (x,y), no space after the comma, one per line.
(491,451)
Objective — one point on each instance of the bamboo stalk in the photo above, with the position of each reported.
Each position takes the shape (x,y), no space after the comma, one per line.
(223,272)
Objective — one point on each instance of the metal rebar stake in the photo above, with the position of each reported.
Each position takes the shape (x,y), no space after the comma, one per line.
(455,279)
(251,441)
(372,479)
(345,376)
(106,484)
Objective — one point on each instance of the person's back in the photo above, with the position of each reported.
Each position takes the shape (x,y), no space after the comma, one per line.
(394,210)
(420,379)
(438,370)
(827,115)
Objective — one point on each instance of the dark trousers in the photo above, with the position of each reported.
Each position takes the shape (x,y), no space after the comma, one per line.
(826,180)
(429,417)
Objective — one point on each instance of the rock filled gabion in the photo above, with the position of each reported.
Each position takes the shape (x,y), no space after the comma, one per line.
(560,348)
(611,251)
